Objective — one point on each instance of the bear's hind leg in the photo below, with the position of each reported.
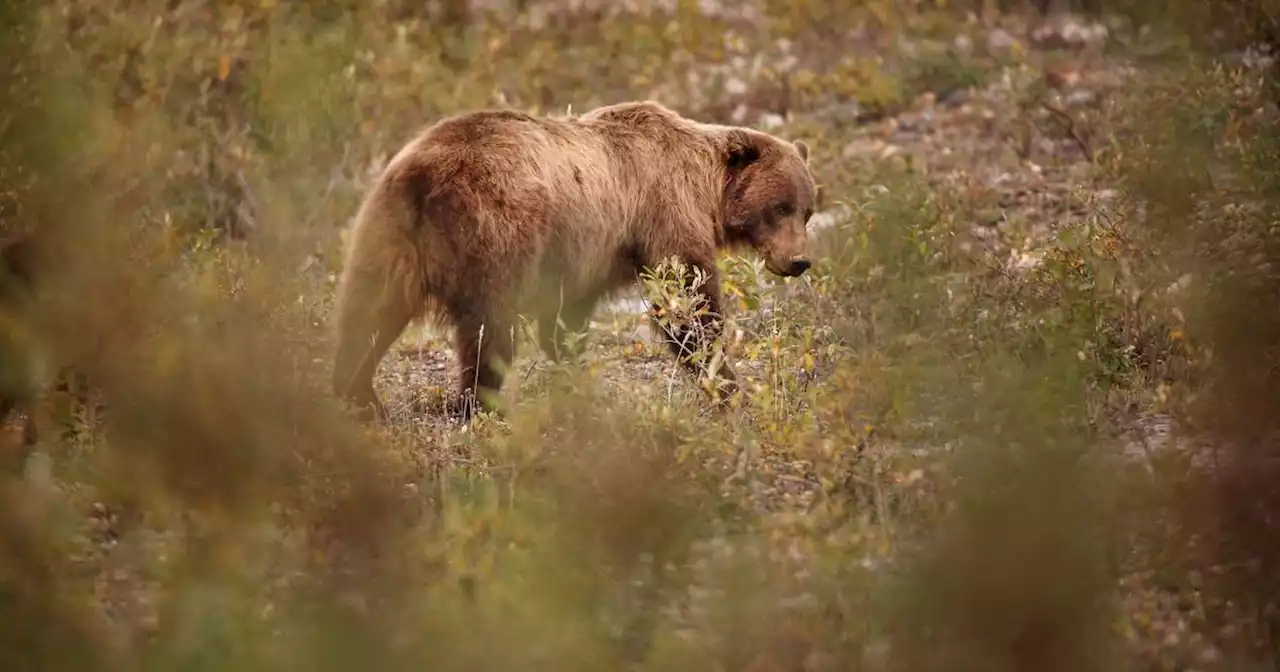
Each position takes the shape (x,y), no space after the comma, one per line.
(370,320)
(486,349)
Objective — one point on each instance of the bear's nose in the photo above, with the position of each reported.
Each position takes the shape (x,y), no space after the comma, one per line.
(798,266)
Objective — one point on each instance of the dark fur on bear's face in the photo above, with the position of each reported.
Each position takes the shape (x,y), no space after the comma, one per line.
(767,204)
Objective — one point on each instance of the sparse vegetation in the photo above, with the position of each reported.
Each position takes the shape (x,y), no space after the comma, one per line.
(1017,416)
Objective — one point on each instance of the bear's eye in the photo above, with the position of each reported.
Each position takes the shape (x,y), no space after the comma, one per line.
(784,209)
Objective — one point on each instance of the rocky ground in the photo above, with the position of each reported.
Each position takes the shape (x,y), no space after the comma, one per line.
(1019,143)
(1025,166)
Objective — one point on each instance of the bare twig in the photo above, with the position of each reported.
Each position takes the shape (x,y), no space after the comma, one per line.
(1070,124)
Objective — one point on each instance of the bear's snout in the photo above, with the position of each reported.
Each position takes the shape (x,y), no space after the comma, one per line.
(798,266)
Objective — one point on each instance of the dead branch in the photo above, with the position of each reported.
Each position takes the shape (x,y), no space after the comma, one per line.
(1070,124)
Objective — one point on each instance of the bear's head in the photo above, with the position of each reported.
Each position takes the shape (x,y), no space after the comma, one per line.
(769,196)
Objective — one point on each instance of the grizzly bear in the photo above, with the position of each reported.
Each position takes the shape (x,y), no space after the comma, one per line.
(493,213)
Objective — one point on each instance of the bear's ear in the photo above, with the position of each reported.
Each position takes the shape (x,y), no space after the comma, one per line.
(741,150)
(803,148)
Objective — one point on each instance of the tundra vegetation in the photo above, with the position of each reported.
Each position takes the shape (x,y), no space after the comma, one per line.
(1014,417)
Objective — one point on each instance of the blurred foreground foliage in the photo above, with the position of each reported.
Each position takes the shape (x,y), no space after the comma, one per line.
(929,474)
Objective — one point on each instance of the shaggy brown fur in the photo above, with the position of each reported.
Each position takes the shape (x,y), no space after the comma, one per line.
(495,209)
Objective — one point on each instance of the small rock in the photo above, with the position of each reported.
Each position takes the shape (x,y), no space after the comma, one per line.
(1068,34)
(983,232)
(771,120)
(802,601)
(905,138)
(1210,655)
(1081,97)
(999,40)
(910,123)
(957,98)
(840,113)
(828,218)
(863,147)
(1026,261)
(1258,58)
(735,86)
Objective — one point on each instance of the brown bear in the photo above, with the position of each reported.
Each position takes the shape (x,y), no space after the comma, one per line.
(492,212)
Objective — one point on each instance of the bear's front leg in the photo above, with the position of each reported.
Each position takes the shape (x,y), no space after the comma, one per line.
(686,341)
